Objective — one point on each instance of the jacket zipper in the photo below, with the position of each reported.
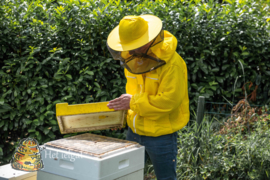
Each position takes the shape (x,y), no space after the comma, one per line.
(134,122)
(134,119)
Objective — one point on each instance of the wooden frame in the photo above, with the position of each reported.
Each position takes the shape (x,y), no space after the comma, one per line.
(88,117)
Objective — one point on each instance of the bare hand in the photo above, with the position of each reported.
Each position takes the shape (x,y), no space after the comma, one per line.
(121,103)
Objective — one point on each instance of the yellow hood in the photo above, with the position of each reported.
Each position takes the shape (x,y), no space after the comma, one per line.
(166,49)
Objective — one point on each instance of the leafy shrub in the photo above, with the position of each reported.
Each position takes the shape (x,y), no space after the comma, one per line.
(55,51)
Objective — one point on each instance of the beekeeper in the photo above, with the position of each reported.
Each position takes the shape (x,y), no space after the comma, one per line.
(156,91)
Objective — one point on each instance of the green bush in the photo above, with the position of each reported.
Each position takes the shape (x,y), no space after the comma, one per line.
(55,51)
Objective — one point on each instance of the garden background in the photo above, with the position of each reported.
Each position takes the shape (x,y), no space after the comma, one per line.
(54,51)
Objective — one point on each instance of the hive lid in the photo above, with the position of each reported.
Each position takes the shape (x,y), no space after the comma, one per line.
(92,145)
(88,117)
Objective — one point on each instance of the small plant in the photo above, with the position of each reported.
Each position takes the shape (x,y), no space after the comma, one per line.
(244,119)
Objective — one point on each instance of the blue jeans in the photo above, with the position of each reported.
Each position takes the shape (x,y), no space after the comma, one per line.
(161,150)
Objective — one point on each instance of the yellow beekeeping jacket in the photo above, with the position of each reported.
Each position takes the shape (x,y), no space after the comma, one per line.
(159,103)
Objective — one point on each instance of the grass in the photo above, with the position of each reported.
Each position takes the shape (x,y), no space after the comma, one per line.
(236,154)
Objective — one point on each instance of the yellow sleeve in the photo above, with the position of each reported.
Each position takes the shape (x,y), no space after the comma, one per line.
(171,92)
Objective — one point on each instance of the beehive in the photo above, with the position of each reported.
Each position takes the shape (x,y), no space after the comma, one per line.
(89,156)
(8,173)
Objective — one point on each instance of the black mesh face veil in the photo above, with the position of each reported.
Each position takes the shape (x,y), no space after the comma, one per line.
(140,60)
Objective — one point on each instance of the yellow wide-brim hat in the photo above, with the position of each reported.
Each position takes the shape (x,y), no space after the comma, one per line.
(134,32)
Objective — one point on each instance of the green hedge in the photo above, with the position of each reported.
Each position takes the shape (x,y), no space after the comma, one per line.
(55,51)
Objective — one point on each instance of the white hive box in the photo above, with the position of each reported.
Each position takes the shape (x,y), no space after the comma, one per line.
(92,157)
(8,173)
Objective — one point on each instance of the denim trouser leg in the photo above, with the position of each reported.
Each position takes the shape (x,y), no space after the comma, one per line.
(162,151)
